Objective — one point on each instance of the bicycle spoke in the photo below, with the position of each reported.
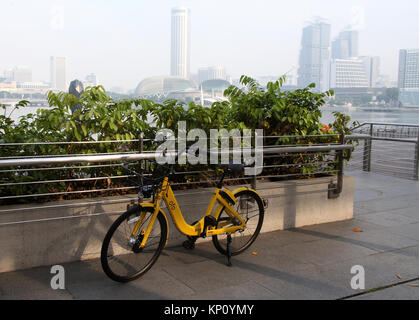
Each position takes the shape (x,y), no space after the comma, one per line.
(251,211)
(125,259)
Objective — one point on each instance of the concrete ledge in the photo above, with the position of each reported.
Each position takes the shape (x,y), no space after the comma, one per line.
(292,204)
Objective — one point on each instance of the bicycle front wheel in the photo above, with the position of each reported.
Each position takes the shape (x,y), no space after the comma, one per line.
(121,256)
(250,207)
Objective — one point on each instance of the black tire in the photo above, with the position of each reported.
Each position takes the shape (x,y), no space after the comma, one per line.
(250,207)
(127,265)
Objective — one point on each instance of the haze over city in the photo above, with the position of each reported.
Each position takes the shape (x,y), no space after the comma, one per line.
(123,42)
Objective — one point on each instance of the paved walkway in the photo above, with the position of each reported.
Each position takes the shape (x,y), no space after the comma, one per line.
(307,263)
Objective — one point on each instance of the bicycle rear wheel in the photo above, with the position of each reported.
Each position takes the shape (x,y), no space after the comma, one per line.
(121,257)
(250,207)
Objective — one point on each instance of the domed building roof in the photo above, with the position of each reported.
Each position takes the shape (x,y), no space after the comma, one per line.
(216,84)
(163,85)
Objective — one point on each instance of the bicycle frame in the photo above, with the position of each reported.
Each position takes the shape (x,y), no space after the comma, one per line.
(196,230)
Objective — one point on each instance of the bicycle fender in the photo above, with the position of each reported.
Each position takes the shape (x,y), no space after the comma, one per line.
(220,207)
(247,189)
(151,205)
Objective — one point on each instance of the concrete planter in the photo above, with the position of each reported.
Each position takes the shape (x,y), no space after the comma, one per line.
(292,204)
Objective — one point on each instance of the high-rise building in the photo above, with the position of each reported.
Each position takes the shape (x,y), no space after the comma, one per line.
(58,68)
(348,73)
(181,39)
(203,75)
(21,74)
(346,45)
(409,68)
(314,59)
(372,69)
(211,73)
(8,74)
(91,80)
(409,77)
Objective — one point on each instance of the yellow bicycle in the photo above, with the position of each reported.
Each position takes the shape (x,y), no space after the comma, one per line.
(136,239)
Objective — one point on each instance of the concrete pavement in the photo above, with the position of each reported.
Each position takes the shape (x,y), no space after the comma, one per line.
(308,263)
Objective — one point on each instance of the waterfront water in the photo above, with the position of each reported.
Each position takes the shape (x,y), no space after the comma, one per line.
(364,114)
(374,114)
(17,113)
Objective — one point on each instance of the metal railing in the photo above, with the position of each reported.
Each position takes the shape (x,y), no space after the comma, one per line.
(93,176)
(388,148)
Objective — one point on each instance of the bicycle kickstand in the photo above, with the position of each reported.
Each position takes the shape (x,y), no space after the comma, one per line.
(229,240)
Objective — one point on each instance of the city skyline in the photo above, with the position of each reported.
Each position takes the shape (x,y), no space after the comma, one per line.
(257,40)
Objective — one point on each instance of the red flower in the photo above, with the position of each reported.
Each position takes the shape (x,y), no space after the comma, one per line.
(325,128)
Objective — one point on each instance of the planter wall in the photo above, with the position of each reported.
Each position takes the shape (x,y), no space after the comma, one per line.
(292,204)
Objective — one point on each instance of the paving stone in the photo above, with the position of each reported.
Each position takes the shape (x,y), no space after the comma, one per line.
(45,294)
(385,204)
(245,291)
(380,270)
(400,292)
(284,238)
(202,252)
(337,229)
(388,219)
(25,281)
(208,275)
(367,194)
(373,238)
(155,284)
(307,284)
(407,230)
(412,212)
(326,251)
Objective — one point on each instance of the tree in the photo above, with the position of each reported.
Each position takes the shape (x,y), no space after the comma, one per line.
(391,96)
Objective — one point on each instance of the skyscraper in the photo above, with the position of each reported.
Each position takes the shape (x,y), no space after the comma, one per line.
(180,48)
(91,80)
(409,68)
(211,73)
(372,69)
(409,77)
(346,45)
(8,74)
(58,68)
(22,74)
(348,73)
(315,56)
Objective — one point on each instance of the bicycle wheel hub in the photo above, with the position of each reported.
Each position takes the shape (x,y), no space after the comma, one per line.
(136,247)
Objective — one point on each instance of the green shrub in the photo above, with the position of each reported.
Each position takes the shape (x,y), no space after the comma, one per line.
(97,117)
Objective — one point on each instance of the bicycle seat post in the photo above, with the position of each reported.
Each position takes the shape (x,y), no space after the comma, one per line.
(220,183)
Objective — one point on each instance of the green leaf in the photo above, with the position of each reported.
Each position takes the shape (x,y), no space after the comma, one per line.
(83,128)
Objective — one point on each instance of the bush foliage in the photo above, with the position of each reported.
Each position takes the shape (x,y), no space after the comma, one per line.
(97,117)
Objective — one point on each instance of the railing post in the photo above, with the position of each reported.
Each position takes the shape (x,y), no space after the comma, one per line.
(254,177)
(367,155)
(367,151)
(254,183)
(336,189)
(141,161)
(416,169)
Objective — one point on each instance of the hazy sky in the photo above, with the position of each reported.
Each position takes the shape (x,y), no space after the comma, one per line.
(124,41)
